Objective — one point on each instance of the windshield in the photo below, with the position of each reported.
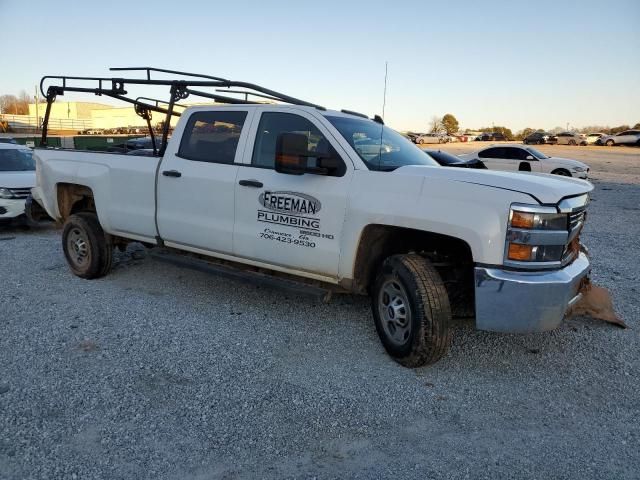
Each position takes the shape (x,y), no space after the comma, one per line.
(380,147)
(536,153)
(16,160)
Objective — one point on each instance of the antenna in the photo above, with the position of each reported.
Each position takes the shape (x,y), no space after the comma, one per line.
(384,95)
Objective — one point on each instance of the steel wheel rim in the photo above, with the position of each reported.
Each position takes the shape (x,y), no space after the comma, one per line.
(78,247)
(394,312)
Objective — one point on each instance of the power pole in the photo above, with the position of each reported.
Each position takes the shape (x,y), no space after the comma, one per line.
(37,113)
(384,95)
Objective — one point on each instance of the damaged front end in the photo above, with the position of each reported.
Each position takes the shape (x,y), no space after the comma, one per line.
(544,273)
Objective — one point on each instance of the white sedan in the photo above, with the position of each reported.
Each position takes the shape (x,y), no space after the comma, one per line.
(17,178)
(514,158)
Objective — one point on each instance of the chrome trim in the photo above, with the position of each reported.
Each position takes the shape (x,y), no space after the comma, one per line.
(528,208)
(525,302)
(572,204)
(532,265)
(537,237)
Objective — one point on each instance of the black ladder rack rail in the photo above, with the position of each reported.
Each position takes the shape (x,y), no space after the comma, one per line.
(179,89)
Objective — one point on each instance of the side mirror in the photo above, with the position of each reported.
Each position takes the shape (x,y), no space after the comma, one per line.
(529,157)
(291,153)
(292,156)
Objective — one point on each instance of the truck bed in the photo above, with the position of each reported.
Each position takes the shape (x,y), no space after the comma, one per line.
(127,182)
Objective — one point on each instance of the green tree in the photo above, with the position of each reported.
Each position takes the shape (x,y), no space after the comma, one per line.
(503,130)
(636,126)
(522,134)
(619,129)
(450,124)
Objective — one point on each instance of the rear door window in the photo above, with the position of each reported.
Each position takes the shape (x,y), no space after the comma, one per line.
(492,153)
(212,136)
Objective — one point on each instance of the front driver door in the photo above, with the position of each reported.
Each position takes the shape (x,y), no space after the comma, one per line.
(523,160)
(494,159)
(294,221)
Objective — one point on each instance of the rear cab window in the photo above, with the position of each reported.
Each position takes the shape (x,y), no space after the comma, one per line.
(212,136)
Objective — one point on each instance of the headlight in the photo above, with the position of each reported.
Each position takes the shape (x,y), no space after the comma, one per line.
(543,220)
(537,236)
(578,169)
(6,193)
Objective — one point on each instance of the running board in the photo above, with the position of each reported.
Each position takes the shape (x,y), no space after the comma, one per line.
(255,278)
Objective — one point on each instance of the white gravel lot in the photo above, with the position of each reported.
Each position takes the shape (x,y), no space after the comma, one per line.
(159,372)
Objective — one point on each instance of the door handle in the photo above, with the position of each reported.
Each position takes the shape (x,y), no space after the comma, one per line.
(171,173)
(250,183)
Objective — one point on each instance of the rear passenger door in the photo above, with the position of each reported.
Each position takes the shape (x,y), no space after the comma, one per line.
(292,221)
(197,179)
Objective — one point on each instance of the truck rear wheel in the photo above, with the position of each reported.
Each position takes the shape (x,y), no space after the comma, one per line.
(89,252)
(411,310)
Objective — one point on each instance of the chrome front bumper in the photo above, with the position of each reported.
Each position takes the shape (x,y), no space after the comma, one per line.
(11,208)
(525,302)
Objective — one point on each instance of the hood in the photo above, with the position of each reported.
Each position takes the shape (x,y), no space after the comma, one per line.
(545,188)
(18,179)
(567,161)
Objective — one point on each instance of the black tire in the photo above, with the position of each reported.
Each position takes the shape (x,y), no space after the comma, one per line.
(562,172)
(426,336)
(572,143)
(610,143)
(525,142)
(88,250)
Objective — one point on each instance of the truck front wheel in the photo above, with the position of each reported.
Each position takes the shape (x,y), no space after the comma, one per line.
(411,310)
(89,252)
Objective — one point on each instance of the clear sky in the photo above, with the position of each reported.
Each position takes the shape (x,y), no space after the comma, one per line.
(520,64)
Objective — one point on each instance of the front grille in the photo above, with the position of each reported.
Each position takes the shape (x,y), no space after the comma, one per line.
(20,192)
(576,219)
(576,222)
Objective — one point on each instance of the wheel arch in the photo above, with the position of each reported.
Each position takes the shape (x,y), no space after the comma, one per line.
(379,241)
(561,171)
(73,198)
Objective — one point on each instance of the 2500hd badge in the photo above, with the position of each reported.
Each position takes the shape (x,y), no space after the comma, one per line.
(291,209)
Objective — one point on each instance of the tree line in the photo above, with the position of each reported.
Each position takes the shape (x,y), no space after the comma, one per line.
(449,124)
(15,105)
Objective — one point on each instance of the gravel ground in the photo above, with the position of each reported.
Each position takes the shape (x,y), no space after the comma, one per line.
(159,372)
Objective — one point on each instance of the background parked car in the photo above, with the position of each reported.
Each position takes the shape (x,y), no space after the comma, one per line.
(628,137)
(571,138)
(446,159)
(527,159)
(537,138)
(142,143)
(411,136)
(492,137)
(17,178)
(593,138)
(431,138)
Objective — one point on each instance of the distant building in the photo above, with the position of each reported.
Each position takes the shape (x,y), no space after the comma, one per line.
(94,115)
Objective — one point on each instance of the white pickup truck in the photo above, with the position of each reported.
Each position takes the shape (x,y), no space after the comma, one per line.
(338,200)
